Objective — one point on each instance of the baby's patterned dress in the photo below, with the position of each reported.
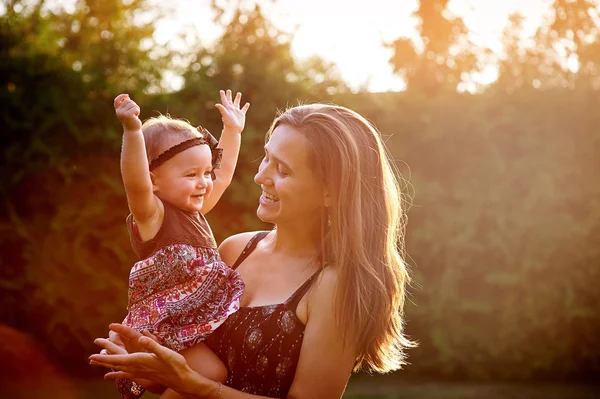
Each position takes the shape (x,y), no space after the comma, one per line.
(181,290)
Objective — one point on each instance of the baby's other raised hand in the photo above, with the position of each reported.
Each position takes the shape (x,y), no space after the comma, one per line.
(128,112)
(234,118)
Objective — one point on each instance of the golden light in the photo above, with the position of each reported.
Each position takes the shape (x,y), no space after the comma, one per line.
(352,34)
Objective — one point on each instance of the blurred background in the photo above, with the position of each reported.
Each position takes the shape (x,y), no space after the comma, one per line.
(490,109)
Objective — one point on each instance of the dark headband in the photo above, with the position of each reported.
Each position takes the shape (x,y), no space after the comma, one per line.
(207,138)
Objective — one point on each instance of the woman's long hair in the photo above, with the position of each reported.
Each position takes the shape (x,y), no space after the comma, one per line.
(363,233)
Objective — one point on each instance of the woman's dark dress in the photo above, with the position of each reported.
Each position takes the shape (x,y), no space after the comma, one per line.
(260,345)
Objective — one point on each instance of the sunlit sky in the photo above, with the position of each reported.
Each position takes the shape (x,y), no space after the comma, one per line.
(352,34)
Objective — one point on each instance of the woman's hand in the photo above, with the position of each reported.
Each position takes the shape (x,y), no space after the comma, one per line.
(153,362)
(234,118)
(111,348)
(128,338)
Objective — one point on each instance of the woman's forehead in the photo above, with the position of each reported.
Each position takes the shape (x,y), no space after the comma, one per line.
(289,145)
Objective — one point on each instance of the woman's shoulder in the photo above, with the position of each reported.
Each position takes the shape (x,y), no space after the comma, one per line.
(231,248)
(326,282)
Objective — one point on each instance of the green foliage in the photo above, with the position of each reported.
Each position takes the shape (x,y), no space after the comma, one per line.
(254,57)
(65,257)
(503,233)
(65,250)
(504,230)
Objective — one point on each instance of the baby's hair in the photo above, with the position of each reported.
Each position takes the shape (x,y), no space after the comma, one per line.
(162,132)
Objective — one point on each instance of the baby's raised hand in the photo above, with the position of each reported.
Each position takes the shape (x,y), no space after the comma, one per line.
(128,112)
(234,118)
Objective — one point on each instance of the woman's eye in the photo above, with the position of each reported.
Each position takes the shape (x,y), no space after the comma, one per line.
(283,172)
(208,173)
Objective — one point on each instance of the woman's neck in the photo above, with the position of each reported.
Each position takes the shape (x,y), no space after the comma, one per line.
(300,242)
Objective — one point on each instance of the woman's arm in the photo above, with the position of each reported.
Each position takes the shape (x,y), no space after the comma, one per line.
(234,120)
(325,363)
(323,369)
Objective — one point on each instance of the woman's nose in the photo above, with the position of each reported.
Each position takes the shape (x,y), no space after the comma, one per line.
(262,176)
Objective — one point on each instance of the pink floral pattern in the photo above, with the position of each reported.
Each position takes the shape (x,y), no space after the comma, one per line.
(181,294)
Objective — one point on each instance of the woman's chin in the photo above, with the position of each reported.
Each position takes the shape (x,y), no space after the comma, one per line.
(264,215)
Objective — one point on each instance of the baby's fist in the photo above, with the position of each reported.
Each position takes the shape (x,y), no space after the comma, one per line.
(128,112)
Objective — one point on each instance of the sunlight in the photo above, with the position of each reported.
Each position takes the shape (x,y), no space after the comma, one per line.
(352,34)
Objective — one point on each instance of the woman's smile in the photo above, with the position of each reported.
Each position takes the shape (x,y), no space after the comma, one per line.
(268,199)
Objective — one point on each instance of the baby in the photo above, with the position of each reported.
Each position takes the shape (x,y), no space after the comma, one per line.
(180,291)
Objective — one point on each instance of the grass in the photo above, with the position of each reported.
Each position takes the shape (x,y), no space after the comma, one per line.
(359,388)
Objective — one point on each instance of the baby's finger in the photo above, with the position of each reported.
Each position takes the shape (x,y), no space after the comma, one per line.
(245,108)
(223,97)
(132,109)
(221,109)
(229,96)
(119,99)
(238,98)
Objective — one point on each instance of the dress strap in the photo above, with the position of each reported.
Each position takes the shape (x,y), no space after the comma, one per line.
(249,247)
(293,300)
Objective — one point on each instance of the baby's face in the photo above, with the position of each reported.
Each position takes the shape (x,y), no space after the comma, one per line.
(185,180)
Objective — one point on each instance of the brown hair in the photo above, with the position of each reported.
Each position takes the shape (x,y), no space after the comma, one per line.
(365,240)
(162,132)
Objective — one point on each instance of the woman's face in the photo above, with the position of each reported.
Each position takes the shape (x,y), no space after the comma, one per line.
(291,193)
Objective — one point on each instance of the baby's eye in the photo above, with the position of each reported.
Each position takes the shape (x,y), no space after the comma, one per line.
(191,175)
(208,173)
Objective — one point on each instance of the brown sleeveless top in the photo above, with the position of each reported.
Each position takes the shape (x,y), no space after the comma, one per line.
(260,345)
(178,227)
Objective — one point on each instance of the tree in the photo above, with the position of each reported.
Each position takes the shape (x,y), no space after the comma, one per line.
(443,54)
(254,57)
(61,235)
(565,51)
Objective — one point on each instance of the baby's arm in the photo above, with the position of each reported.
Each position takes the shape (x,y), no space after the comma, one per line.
(143,204)
(234,120)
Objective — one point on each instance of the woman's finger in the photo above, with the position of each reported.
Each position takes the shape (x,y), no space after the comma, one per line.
(154,347)
(125,331)
(120,360)
(118,375)
(105,365)
(109,346)
(151,336)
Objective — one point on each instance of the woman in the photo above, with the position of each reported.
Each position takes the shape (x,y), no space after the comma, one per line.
(324,290)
